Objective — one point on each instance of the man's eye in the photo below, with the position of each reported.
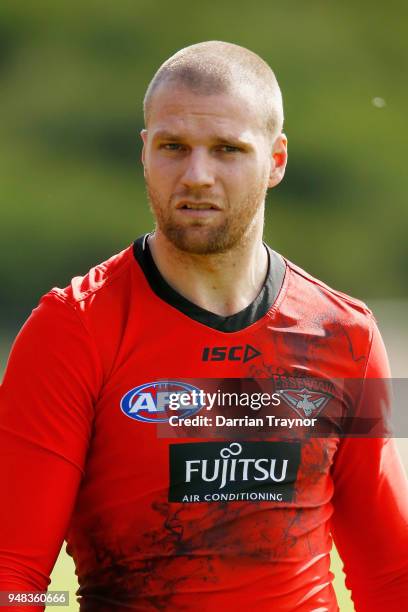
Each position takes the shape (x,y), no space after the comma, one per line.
(228,149)
(171,146)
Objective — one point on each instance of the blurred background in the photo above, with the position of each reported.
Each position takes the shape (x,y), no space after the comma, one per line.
(72,80)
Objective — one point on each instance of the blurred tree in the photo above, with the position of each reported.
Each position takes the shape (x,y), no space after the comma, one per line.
(72,79)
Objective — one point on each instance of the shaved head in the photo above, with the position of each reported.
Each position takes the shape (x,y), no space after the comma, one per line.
(216,67)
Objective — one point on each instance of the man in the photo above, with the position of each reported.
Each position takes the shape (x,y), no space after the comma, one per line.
(148,517)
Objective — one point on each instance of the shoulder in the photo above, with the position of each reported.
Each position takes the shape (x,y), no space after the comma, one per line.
(99,298)
(326,295)
(103,278)
(93,309)
(322,306)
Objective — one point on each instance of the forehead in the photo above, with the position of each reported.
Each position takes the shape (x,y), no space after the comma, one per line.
(175,107)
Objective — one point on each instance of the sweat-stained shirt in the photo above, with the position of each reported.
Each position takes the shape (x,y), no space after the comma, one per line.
(171,521)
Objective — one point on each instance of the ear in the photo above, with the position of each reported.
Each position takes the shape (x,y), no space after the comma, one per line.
(143,135)
(279,160)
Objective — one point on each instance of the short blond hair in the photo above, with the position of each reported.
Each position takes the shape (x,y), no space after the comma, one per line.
(215,67)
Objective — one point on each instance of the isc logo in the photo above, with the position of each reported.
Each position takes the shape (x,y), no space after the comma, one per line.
(230,353)
(150,402)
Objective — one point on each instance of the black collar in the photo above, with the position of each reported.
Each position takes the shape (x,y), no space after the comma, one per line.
(231,323)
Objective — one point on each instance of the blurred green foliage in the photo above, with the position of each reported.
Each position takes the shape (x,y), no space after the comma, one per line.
(72,79)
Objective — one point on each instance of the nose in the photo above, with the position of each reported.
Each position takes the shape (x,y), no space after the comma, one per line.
(199,170)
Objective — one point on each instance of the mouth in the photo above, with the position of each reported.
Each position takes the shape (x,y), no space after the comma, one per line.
(198,206)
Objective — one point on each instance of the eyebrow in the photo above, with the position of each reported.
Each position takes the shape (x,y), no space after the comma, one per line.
(165,135)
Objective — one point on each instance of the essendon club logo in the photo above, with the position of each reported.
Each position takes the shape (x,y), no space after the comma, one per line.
(304,402)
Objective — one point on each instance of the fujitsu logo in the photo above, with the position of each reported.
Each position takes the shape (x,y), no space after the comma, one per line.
(233,471)
(229,468)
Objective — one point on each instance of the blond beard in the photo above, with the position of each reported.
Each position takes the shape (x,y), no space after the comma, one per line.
(200,239)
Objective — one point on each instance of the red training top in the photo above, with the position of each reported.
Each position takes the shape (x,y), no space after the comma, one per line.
(192,521)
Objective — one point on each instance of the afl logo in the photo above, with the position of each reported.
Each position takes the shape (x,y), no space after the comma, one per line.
(154,402)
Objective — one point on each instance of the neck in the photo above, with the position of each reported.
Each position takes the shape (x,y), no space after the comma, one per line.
(222,283)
